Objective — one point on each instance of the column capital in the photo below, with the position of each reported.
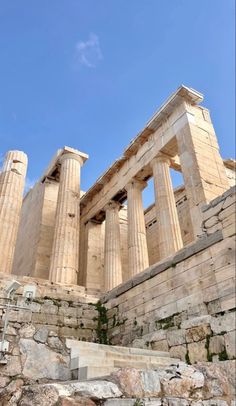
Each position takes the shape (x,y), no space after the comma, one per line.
(70,155)
(112,205)
(161,158)
(136,183)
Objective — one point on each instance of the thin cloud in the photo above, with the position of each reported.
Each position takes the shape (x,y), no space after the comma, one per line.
(88,53)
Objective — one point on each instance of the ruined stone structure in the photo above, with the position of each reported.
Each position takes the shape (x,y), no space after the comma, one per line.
(164,276)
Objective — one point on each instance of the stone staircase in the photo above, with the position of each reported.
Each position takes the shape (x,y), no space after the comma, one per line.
(90,360)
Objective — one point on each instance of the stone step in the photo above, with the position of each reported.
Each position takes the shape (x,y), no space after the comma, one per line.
(75,344)
(90,360)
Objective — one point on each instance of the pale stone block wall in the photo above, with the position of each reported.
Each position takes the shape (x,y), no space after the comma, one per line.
(37,332)
(185,305)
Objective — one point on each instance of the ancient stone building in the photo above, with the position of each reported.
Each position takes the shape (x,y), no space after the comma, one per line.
(105,237)
(164,276)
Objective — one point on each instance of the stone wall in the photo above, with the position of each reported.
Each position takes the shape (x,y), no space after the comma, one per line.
(37,331)
(186,304)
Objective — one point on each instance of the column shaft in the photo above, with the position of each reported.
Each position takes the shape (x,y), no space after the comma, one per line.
(112,254)
(137,242)
(65,251)
(12,181)
(169,233)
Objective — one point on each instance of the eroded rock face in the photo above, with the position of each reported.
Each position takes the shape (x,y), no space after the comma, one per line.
(46,395)
(177,380)
(219,378)
(39,362)
(182,381)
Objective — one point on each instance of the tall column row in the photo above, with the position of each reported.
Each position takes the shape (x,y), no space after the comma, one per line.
(169,233)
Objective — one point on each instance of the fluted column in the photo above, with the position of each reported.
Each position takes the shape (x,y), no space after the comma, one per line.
(137,242)
(169,233)
(65,252)
(12,181)
(112,252)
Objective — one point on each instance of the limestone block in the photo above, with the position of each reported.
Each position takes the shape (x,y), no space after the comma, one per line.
(197,333)
(223,323)
(197,352)
(49,308)
(217,344)
(196,321)
(68,311)
(176,337)
(213,211)
(179,351)
(230,344)
(211,222)
(51,365)
(41,334)
(160,345)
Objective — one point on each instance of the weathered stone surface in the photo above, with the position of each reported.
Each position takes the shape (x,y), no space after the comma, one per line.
(4,380)
(181,380)
(217,344)
(219,378)
(160,345)
(55,342)
(41,395)
(197,351)
(13,366)
(230,344)
(78,401)
(211,402)
(41,334)
(11,393)
(197,333)
(176,337)
(130,382)
(27,331)
(196,321)
(179,351)
(150,383)
(96,389)
(40,362)
(223,323)
(175,402)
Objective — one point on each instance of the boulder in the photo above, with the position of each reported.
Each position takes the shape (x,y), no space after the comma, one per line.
(181,381)
(39,395)
(39,362)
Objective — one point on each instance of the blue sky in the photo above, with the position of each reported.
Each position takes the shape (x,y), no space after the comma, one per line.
(90,73)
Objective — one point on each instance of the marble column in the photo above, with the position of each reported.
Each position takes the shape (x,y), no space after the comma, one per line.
(12,181)
(169,233)
(65,252)
(112,252)
(137,242)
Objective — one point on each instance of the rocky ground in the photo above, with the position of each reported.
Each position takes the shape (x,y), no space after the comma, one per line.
(204,384)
